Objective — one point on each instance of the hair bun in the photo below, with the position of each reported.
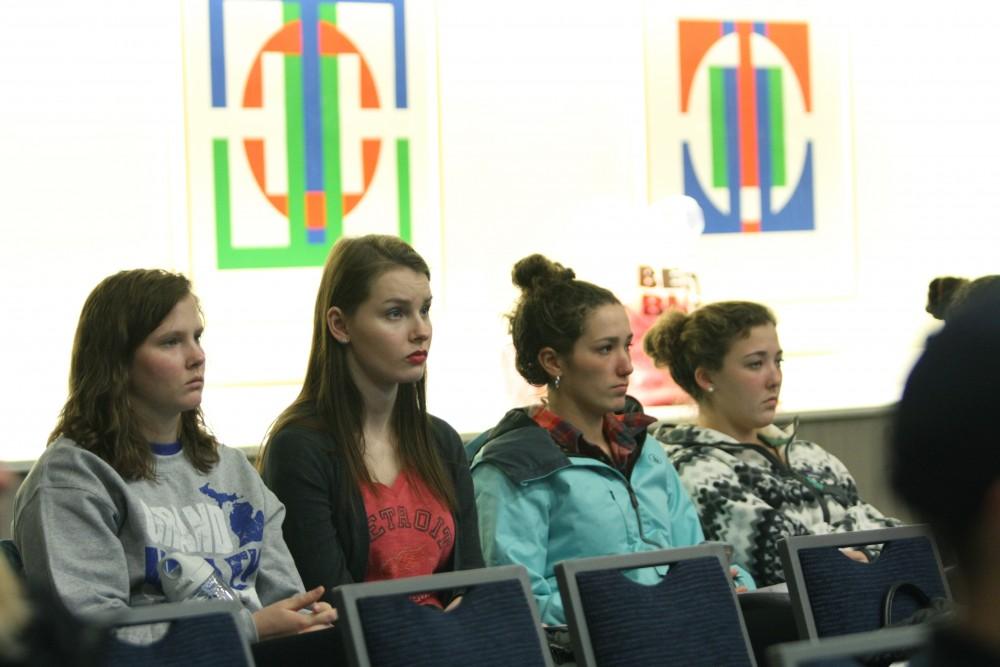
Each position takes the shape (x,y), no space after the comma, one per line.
(941,293)
(537,271)
(662,341)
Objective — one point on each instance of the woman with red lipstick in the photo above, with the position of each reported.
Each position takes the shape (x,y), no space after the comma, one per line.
(131,473)
(375,488)
(753,482)
(574,476)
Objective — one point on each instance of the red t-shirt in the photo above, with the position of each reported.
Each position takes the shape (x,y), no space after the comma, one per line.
(410,531)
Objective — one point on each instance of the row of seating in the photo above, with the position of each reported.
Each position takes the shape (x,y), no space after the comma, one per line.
(692,617)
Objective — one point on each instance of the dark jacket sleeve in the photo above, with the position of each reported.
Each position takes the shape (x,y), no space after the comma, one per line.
(468,553)
(299,469)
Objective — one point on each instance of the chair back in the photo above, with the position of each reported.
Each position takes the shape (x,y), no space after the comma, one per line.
(13,556)
(864,648)
(496,623)
(834,595)
(201,633)
(691,617)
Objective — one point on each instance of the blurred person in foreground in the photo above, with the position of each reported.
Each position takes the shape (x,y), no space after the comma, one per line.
(35,629)
(946,466)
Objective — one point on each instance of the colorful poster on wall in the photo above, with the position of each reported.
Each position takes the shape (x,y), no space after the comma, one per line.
(748,115)
(307,120)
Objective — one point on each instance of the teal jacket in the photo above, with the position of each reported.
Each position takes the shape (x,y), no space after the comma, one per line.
(537,506)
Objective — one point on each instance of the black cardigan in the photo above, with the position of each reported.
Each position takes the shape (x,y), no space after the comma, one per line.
(330,543)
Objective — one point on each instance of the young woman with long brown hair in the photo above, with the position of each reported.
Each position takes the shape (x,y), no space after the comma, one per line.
(375,488)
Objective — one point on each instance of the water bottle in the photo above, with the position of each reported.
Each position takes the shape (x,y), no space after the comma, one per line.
(188,577)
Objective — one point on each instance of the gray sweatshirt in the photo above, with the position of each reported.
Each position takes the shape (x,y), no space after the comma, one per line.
(96,539)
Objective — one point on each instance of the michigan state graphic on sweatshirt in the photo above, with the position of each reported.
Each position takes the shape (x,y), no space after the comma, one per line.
(96,538)
(225,529)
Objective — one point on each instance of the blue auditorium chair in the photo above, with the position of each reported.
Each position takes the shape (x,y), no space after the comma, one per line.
(691,617)
(201,633)
(496,624)
(833,595)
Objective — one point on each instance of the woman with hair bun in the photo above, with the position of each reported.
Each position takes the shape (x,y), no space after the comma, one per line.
(753,482)
(573,477)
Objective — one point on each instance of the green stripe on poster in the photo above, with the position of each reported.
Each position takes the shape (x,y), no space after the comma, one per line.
(776,102)
(223,211)
(717,103)
(295,143)
(403,188)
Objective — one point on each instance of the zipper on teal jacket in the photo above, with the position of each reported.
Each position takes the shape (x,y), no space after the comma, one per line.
(633,498)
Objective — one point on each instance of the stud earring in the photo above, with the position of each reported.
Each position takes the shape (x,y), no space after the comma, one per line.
(711,388)
(556,381)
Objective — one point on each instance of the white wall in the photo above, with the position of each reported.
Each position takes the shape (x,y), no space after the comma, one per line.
(541,119)
(926,128)
(91,181)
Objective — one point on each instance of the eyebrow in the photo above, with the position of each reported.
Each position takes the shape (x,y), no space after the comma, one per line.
(177,332)
(762,353)
(403,300)
(613,339)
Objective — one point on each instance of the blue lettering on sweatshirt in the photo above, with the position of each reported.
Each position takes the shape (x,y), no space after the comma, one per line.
(243,565)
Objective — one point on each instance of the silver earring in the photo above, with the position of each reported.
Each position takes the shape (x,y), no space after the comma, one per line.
(555,382)
(711,388)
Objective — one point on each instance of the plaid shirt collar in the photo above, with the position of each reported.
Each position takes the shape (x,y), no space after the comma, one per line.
(619,430)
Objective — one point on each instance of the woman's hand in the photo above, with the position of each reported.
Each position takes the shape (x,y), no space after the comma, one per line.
(300,613)
(855,554)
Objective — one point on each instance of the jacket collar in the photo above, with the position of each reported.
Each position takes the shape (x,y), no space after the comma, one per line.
(686,435)
(523,450)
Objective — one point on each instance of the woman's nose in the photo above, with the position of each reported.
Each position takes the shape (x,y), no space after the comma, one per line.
(422,329)
(625,368)
(197,357)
